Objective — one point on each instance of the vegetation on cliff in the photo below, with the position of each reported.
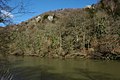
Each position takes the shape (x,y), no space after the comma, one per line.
(92,32)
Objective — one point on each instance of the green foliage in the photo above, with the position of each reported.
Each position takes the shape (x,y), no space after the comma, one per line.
(45,16)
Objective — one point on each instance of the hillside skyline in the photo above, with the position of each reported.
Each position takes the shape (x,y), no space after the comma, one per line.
(39,7)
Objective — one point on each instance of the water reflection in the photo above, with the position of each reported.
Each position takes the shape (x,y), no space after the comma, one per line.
(5,73)
(40,73)
(37,73)
(90,75)
(34,68)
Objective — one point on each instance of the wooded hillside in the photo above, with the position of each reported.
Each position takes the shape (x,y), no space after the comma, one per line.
(91,32)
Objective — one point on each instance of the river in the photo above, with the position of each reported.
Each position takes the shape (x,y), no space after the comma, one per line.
(35,68)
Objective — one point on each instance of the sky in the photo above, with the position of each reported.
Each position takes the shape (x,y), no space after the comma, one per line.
(40,6)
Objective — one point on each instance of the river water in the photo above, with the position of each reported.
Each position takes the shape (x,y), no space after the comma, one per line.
(35,68)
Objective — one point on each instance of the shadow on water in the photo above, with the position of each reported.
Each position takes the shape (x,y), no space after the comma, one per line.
(5,73)
(37,73)
(91,75)
(43,72)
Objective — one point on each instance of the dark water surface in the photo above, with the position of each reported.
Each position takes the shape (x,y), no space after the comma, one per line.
(35,68)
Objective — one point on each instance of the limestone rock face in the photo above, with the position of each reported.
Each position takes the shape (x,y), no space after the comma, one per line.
(50,18)
(38,19)
(88,6)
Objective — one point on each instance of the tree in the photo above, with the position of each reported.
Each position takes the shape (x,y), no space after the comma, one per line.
(111,6)
(6,11)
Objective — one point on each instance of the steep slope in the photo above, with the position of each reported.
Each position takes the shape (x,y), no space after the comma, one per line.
(69,33)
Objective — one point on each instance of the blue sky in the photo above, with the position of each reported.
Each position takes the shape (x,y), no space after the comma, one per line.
(41,6)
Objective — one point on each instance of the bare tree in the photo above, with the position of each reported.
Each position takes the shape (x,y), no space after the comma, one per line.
(111,6)
(7,11)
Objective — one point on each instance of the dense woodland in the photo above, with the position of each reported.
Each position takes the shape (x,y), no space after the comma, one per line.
(90,32)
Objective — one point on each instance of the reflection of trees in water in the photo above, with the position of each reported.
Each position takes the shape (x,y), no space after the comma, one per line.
(5,73)
(41,73)
(91,75)
(37,73)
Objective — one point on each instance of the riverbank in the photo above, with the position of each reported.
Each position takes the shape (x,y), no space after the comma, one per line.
(99,56)
(90,32)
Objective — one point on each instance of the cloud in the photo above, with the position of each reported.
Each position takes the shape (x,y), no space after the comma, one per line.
(5,14)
